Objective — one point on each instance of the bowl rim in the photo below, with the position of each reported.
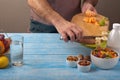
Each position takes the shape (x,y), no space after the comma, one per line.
(70,61)
(105,58)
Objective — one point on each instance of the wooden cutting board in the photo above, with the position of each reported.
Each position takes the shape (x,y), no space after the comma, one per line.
(90,29)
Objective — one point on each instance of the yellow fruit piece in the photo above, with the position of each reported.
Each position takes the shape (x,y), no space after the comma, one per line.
(2,47)
(4,61)
(86,19)
(90,19)
(97,24)
(90,13)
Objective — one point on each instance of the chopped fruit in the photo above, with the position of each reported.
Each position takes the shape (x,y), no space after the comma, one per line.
(90,17)
(90,13)
(72,58)
(102,22)
(2,37)
(86,19)
(7,43)
(92,20)
(97,24)
(4,44)
(84,63)
(2,47)
(104,53)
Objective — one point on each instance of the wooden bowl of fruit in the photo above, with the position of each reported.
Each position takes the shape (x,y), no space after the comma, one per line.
(104,58)
(4,51)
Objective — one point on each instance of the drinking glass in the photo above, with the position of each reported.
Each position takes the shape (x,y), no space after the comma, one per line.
(16,50)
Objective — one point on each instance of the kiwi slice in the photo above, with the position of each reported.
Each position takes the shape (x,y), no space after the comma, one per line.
(102,22)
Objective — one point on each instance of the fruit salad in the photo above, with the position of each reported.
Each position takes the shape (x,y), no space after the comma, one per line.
(104,53)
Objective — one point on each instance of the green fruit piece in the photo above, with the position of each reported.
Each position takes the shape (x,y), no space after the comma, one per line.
(93,46)
(102,22)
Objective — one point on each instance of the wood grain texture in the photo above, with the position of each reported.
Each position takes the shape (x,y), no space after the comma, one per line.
(90,29)
(44,59)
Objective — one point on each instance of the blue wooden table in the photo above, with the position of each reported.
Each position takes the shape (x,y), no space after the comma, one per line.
(44,59)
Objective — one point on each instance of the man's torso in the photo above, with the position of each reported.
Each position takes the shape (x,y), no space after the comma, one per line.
(66,8)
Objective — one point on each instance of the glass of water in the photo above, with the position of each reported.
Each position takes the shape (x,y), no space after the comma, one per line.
(16,50)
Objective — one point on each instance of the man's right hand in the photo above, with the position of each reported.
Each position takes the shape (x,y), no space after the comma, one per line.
(68,29)
(65,28)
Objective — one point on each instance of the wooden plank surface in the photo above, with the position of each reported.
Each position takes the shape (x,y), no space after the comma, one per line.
(91,29)
(44,59)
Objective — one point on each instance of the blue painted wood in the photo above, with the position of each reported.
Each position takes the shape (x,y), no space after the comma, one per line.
(44,59)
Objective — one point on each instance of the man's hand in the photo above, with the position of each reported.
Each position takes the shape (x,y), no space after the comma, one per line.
(68,29)
(65,28)
(88,6)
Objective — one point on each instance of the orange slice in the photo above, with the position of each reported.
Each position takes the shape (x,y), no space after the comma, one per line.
(2,47)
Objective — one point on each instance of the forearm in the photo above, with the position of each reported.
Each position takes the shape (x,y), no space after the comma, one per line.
(93,2)
(45,11)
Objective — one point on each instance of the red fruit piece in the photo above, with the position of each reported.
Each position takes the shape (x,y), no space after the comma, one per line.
(2,37)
